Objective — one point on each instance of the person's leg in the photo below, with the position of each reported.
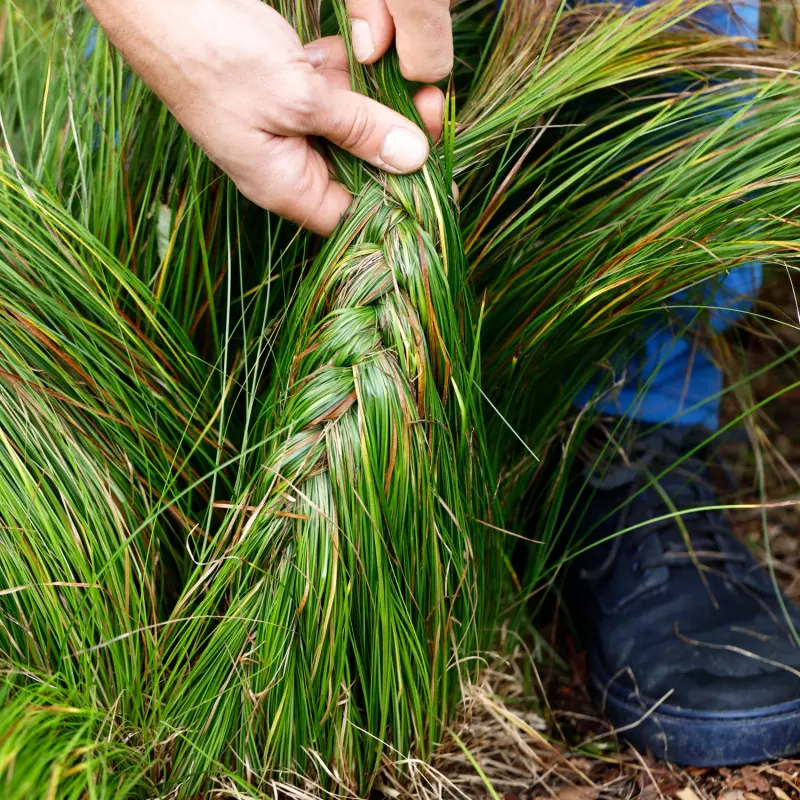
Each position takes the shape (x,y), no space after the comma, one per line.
(692,652)
(670,380)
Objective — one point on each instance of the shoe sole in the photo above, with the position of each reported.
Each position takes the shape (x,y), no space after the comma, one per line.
(691,738)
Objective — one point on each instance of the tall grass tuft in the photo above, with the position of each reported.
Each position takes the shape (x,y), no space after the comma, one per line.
(254,487)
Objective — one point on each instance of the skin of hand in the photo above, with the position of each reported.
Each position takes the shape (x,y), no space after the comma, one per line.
(237,78)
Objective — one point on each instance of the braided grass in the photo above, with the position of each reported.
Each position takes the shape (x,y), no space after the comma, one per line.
(368,542)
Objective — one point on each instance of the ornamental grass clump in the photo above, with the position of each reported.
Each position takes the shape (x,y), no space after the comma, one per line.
(101,432)
(256,487)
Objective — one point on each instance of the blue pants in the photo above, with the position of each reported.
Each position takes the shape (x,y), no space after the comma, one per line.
(671,379)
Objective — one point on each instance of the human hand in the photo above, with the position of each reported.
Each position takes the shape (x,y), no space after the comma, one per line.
(236,77)
(421,28)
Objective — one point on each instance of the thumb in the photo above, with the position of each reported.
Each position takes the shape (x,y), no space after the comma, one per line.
(371,131)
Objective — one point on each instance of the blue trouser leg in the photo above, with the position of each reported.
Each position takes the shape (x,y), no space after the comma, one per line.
(670,379)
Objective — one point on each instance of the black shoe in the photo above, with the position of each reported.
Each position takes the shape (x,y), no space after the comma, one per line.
(692,653)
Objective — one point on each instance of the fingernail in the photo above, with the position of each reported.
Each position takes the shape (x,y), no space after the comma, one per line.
(404,150)
(363,44)
(316,56)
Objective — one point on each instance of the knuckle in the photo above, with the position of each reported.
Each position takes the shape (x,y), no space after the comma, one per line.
(428,54)
(357,129)
(431,71)
(360,8)
(439,71)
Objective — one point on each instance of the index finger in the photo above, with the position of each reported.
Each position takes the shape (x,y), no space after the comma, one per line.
(372,29)
(424,37)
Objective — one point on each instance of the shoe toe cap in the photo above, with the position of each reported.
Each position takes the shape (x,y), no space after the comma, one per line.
(735,669)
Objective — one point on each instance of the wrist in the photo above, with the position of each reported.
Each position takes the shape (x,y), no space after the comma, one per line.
(118,17)
(148,33)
